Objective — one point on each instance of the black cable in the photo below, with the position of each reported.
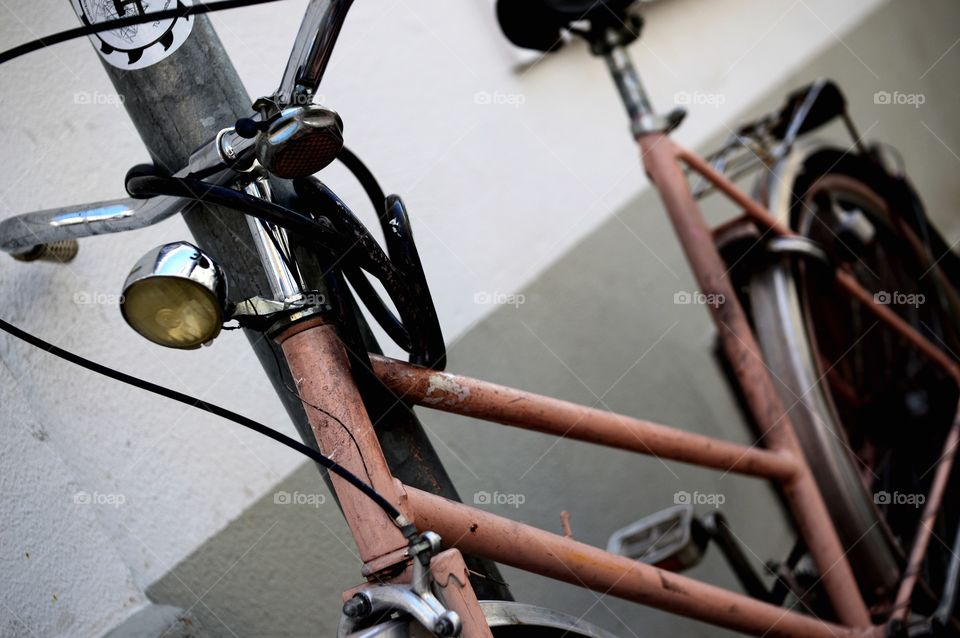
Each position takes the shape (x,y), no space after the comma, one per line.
(397,281)
(350,242)
(181,11)
(318,231)
(328,414)
(398,235)
(426,336)
(370,185)
(378,309)
(345,240)
(224,413)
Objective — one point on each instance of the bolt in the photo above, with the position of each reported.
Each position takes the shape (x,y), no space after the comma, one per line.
(356,607)
(444,627)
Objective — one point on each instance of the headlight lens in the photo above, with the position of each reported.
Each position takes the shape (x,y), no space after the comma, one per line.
(176,313)
(175,296)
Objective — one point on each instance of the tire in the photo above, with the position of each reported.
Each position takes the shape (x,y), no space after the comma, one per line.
(515,620)
(507,619)
(796,311)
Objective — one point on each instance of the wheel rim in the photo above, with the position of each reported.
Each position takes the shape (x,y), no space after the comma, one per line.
(779,295)
(894,404)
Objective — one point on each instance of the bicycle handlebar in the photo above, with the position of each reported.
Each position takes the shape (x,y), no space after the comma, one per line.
(308,60)
(22,234)
(318,33)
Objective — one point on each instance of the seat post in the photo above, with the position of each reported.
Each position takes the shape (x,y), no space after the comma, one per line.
(610,40)
(625,75)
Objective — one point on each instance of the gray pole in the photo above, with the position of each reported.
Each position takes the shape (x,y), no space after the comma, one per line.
(177,105)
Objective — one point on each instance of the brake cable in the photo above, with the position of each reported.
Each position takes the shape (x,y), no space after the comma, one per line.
(408,528)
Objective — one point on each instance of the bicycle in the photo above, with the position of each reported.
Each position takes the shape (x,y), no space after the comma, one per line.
(310,246)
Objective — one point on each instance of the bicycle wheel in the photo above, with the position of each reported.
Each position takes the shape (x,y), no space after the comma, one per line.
(857,394)
(507,619)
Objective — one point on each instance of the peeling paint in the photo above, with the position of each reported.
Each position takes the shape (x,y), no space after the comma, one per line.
(450,392)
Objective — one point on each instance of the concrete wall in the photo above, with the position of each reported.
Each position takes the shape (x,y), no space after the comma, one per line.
(498,194)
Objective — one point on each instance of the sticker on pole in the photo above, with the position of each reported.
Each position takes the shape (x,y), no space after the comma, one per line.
(139,45)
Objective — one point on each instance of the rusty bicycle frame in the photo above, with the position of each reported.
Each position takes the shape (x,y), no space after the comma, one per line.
(319,362)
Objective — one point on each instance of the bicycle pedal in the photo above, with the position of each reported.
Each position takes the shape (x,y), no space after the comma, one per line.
(668,539)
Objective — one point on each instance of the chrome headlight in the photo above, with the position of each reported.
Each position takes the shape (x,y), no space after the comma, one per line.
(175,296)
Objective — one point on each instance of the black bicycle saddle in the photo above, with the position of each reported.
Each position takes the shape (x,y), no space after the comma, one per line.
(537,24)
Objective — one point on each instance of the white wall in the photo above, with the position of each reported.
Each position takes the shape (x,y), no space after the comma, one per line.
(496,192)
